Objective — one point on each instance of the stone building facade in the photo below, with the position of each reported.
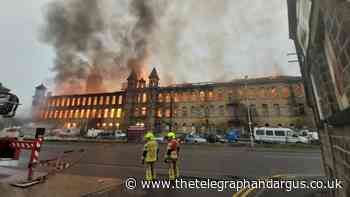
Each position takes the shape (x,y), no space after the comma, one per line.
(321,33)
(190,107)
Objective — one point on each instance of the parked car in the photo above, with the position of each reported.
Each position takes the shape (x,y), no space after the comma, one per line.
(106,135)
(311,135)
(278,135)
(221,139)
(191,138)
(120,135)
(93,133)
(213,138)
(233,135)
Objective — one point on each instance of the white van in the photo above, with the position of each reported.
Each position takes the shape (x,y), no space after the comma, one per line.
(278,135)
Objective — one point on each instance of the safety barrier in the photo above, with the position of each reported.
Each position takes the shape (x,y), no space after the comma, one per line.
(34,146)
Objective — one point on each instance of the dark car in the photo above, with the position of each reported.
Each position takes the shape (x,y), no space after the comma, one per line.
(106,135)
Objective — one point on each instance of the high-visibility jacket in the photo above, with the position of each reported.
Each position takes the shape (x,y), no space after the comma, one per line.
(150,150)
(173,149)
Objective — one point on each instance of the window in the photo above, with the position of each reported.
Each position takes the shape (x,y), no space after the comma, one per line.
(260,132)
(194,96)
(95,100)
(93,113)
(56,114)
(87,113)
(107,100)
(279,133)
(89,101)
(144,97)
(143,111)
(176,97)
(119,112)
(76,113)
(51,114)
(159,113)
(68,102)
(46,115)
(63,102)
(210,95)
(78,101)
(201,95)
(120,101)
(71,113)
(105,114)
(73,102)
(167,113)
(265,110)
(84,101)
(276,108)
(99,113)
(168,98)
(58,102)
(160,98)
(60,116)
(66,113)
(101,100)
(82,113)
(139,98)
(112,113)
(114,98)
(269,132)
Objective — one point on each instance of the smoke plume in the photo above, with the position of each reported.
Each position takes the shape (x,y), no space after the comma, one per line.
(184,39)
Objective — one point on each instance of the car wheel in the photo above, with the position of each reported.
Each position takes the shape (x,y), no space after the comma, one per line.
(195,142)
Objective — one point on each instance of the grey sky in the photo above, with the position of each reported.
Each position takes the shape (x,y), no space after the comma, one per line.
(259,36)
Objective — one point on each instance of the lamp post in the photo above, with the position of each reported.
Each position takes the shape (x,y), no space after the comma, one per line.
(249,115)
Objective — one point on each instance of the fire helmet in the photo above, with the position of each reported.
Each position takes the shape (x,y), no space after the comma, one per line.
(149,136)
(171,135)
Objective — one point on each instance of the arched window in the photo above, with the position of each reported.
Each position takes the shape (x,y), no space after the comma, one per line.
(202,96)
(160,98)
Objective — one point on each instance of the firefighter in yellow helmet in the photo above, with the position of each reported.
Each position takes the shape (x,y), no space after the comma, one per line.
(172,156)
(150,156)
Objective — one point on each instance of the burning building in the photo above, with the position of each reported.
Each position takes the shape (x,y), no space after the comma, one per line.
(190,107)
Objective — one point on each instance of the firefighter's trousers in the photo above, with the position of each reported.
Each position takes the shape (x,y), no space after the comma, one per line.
(150,171)
(173,169)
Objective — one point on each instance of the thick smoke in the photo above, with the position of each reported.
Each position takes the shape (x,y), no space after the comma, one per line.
(89,37)
(184,39)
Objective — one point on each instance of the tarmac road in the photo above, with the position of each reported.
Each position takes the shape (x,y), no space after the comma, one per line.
(119,160)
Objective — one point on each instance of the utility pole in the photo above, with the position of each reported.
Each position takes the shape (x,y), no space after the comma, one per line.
(171,110)
(249,115)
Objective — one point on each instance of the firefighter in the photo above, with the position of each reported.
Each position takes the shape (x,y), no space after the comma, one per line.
(150,156)
(172,156)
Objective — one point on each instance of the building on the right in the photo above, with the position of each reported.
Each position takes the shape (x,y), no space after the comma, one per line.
(321,33)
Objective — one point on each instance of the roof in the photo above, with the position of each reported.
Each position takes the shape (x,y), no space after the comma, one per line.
(154,74)
(41,87)
(237,82)
(132,76)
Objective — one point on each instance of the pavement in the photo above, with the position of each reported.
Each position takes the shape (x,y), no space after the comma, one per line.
(122,161)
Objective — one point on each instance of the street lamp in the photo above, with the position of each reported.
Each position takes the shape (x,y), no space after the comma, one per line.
(249,116)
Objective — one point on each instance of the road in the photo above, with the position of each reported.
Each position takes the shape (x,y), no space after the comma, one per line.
(197,161)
